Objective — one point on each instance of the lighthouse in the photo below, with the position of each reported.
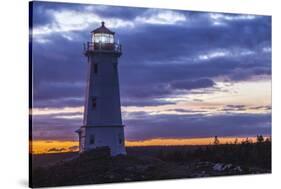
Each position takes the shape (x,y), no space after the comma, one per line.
(102,123)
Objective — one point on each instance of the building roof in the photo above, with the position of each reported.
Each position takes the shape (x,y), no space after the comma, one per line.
(102,29)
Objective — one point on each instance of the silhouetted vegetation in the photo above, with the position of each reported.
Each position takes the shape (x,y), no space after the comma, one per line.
(216,141)
(246,153)
(153,163)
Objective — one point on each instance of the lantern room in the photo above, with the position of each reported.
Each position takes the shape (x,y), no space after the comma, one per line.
(102,41)
(102,35)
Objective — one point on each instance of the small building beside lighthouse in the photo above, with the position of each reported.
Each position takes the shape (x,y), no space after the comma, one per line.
(102,123)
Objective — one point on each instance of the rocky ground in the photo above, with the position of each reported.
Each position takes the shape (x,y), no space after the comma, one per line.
(98,167)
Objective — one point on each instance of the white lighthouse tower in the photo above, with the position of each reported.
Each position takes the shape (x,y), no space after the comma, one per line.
(102,124)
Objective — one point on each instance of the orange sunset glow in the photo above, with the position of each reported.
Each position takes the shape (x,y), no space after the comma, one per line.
(55,146)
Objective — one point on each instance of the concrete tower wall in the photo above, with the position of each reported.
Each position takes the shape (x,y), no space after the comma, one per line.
(112,137)
(102,124)
(102,105)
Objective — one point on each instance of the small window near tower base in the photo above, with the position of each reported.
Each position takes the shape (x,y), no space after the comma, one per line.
(92,139)
(94,102)
(95,68)
(120,139)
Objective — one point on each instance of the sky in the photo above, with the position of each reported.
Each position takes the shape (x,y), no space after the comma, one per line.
(182,74)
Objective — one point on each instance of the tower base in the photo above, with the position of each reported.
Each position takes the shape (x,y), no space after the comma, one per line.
(91,137)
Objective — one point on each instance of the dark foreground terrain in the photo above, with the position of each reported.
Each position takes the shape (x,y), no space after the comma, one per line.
(150,163)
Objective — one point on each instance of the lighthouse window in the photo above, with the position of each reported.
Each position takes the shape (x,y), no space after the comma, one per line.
(95,68)
(115,66)
(103,38)
(92,139)
(120,139)
(94,102)
(111,39)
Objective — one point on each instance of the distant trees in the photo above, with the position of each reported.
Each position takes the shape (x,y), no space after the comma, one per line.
(260,139)
(268,139)
(216,141)
(248,152)
(247,141)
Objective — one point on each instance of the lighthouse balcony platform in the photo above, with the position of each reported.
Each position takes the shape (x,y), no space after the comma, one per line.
(92,47)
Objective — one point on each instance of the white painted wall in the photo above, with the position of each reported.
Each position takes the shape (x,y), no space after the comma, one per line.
(113,137)
(103,85)
(104,121)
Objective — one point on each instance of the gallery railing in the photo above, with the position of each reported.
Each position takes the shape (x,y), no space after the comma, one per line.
(91,47)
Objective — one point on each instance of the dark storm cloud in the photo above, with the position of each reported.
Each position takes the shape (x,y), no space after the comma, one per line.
(58,73)
(59,102)
(152,81)
(186,111)
(193,84)
(49,127)
(162,42)
(244,74)
(56,149)
(117,12)
(58,90)
(231,107)
(154,55)
(158,61)
(181,126)
(141,125)
(59,61)
(42,12)
(143,102)
(261,108)
(73,148)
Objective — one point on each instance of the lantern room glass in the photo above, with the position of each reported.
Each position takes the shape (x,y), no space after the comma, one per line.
(103,38)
